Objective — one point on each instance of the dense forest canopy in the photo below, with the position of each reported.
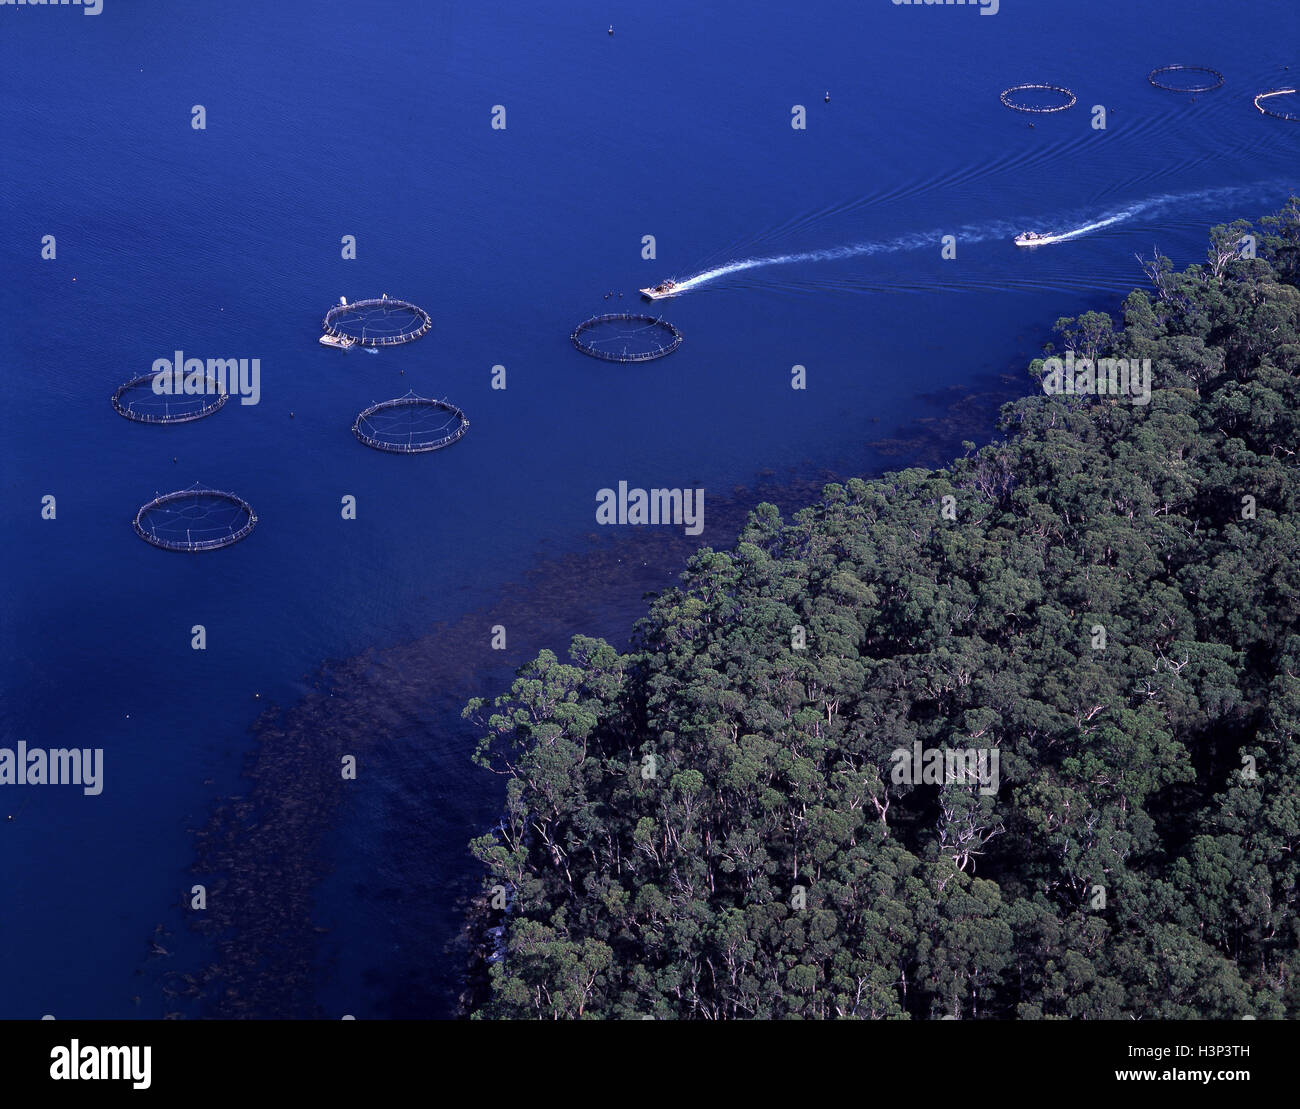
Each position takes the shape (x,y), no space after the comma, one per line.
(718,823)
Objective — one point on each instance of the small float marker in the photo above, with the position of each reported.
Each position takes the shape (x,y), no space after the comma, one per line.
(611,28)
(828,98)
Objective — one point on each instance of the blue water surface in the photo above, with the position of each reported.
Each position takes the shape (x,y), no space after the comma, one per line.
(374,120)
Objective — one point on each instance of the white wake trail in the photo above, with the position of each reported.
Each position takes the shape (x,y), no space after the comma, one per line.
(964,235)
(832,254)
(1118,217)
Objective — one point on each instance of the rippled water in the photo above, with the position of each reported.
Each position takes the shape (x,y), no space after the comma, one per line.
(376,123)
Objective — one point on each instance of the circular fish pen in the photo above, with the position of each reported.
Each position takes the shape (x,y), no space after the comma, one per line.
(1292,116)
(381,322)
(1156,78)
(195,519)
(1009,98)
(626,337)
(410,425)
(137,400)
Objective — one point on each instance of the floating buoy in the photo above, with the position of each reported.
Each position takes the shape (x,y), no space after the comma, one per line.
(173,458)
(611,28)
(828,97)
(291,415)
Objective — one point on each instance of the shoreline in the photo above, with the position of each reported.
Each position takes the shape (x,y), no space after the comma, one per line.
(273,838)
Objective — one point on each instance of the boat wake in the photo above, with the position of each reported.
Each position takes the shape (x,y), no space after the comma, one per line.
(831,254)
(1097,225)
(966,235)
